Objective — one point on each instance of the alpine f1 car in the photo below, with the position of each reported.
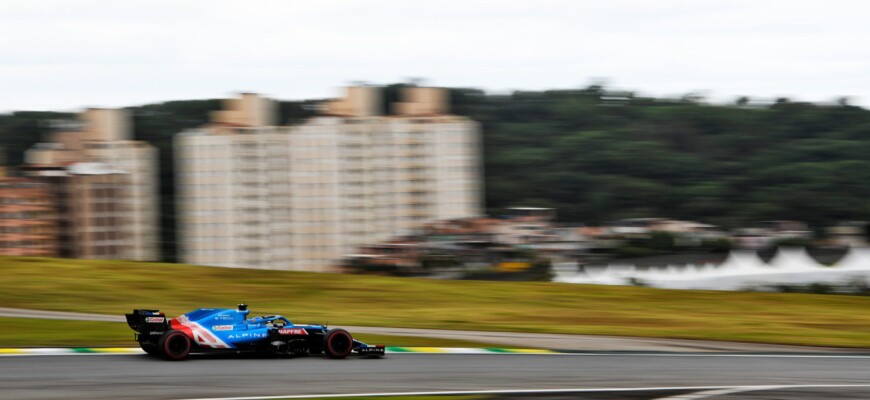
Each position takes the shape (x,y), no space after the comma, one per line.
(207,330)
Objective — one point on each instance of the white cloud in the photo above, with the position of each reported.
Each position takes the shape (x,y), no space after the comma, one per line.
(65,55)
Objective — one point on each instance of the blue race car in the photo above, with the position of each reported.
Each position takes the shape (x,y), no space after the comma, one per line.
(229,330)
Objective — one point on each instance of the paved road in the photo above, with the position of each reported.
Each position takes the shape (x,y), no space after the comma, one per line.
(510,339)
(141,377)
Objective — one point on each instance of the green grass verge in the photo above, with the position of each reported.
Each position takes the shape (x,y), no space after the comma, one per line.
(116,287)
(32,332)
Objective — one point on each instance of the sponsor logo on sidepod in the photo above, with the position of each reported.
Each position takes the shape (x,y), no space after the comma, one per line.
(222,328)
(292,331)
(152,320)
(247,335)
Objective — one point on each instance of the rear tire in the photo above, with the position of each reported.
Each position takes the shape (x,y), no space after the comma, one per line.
(337,343)
(174,346)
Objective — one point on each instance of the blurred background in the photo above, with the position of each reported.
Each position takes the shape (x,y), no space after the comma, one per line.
(479,177)
(674,144)
(620,130)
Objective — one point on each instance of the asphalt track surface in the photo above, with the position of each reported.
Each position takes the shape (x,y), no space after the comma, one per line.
(714,376)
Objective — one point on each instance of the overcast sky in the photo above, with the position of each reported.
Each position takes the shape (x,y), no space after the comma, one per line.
(64,55)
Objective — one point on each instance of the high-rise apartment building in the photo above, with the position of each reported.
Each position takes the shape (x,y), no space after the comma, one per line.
(28,224)
(256,195)
(107,187)
(92,222)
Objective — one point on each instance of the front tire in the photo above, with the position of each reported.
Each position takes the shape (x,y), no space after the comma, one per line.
(174,346)
(337,343)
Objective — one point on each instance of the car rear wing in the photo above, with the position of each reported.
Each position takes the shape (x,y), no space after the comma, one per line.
(143,321)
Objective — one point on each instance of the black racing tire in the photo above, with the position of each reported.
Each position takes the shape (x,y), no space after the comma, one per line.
(150,349)
(174,346)
(337,343)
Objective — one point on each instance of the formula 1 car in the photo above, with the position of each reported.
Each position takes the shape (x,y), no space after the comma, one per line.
(208,330)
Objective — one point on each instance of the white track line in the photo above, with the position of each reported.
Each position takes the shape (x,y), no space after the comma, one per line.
(740,389)
(708,391)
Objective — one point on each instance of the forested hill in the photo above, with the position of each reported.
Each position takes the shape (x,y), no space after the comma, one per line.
(598,155)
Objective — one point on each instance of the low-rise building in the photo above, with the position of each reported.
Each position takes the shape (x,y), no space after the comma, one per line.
(849,234)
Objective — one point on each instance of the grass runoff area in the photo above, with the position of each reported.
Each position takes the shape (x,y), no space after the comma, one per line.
(116,287)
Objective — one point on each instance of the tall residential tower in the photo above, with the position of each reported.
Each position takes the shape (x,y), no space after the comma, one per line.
(106,186)
(256,195)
